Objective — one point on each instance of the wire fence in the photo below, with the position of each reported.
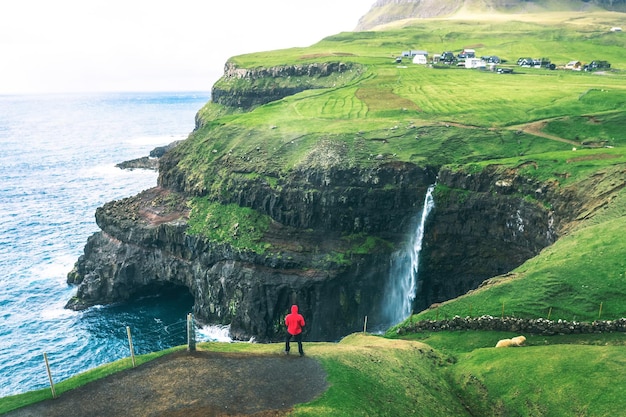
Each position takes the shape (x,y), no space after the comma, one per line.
(166,336)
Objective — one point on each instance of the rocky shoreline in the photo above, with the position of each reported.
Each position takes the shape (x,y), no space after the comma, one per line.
(148,162)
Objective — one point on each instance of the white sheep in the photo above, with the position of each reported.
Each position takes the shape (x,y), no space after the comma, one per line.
(516,341)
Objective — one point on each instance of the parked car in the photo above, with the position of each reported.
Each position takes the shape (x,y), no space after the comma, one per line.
(597,65)
(491,59)
(447,57)
(504,71)
(467,53)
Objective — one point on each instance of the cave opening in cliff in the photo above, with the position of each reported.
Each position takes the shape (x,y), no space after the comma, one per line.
(156,315)
(168,295)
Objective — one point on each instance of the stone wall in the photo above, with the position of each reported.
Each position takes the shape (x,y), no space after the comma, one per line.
(539,326)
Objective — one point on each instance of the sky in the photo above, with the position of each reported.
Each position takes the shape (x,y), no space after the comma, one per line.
(56,46)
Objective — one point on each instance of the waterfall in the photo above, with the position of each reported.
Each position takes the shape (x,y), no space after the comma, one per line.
(402,285)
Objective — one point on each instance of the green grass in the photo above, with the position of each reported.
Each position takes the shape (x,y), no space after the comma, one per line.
(564,380)
(401,112)
(602,129)
(566,167)
(241,227)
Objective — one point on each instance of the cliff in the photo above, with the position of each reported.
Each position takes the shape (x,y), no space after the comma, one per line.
(301,182)
(246,88)
(473,234)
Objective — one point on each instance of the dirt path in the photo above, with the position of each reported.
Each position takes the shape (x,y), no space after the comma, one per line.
(535,128)
(192,385)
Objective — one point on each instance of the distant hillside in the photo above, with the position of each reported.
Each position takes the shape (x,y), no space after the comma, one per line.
(388,11)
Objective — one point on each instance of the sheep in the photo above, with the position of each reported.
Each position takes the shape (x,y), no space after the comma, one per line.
(504,343)
(516,341)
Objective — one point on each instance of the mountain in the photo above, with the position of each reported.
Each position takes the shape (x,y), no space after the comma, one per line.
(307,171)
(384,12)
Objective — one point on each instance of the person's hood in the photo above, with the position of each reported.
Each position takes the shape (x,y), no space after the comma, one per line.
(294,309)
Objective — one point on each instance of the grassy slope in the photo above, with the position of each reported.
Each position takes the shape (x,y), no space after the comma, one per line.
(393,105)
(581,375)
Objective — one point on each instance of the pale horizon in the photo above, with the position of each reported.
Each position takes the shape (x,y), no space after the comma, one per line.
(73,46)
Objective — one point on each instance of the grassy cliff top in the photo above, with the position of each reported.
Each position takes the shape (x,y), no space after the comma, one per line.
(423,114)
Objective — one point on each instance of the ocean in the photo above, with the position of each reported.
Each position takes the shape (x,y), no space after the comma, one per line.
(57,165)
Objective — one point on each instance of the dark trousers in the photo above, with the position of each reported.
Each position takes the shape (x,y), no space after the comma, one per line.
(297,338)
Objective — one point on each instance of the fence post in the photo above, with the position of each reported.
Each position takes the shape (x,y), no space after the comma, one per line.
(365,325)
(549,313)
(600,311)
(130,344)
(191,334)
(45,358)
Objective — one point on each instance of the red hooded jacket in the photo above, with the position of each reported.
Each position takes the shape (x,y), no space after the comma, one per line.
(294,321)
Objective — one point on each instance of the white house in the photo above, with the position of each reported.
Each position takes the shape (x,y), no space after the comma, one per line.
(421,58)
(475,63)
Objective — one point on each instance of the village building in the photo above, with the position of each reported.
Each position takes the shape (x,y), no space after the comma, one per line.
(421,57)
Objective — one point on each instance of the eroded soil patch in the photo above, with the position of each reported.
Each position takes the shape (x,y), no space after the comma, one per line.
(194,384)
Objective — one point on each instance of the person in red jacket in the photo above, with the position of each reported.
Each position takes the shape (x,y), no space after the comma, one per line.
(294,323)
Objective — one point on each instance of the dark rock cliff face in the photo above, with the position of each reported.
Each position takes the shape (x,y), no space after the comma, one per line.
(263,86)
(481,226)
(489,223)
(143,247)
(379,200)
(249,292)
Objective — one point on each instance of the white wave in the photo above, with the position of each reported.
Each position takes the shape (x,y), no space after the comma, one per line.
(108,171)
(57,269)
(213,333)
(56,313)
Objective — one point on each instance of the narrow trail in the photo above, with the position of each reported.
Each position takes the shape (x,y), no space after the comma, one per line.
(533,128)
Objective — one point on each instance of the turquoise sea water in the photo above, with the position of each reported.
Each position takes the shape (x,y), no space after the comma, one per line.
(56,167)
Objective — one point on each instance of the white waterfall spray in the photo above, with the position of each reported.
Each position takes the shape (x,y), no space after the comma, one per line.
(402,285)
